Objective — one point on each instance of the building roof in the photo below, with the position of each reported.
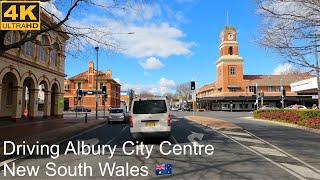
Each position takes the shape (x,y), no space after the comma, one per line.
(83,76)
(274,80)
(228,27)
(206,87)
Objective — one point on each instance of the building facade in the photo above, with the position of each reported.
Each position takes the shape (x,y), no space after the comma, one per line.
(23,70)
(234,89)
(86,81)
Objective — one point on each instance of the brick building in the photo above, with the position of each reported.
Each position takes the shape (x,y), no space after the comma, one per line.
(232,87)
(86,81)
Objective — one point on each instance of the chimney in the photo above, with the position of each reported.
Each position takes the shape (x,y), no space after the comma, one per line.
(108,73)
(90,67)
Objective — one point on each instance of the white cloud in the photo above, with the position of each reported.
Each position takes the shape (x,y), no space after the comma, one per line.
(161,87)
(151,63)
(281,68)
(117,80)
(51,8)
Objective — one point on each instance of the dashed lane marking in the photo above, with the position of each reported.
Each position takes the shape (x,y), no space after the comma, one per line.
(247,140)
(303,171)
(297,159)
(237,133)
(261,155)
(268,151)
(174,139)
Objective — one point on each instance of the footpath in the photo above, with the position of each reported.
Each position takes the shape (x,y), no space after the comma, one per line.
(214,123)
(46,132)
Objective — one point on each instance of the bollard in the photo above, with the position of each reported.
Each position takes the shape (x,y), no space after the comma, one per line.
(86,118)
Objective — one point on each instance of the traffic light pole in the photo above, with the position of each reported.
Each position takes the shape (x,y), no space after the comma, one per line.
(97,49)
(104,107)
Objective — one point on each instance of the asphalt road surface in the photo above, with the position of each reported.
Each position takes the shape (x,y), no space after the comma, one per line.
(261,151)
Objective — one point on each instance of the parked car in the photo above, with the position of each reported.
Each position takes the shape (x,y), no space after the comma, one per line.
(174,108)
(185,108)
(299,107)
(118,115)
(80,109)
(150,117)
(268,107)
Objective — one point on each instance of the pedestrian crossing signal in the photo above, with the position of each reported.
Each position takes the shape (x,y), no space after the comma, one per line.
(193,85)
(104,89)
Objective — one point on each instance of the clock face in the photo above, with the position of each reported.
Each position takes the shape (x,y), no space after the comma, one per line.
(230,36)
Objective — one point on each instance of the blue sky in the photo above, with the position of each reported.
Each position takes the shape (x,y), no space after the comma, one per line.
(174,42)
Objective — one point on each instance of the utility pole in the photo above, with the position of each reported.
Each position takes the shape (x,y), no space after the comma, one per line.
(317,64)
(97,97)
(257,96)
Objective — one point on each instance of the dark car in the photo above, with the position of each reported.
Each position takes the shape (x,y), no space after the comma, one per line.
(80,109)
(185,108)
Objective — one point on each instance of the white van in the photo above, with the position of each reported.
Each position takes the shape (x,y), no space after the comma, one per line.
(150,117)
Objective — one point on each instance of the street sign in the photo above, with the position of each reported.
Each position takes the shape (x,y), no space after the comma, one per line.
(314,96)
(193,96)
(93,92)
(97,98)
(25,112)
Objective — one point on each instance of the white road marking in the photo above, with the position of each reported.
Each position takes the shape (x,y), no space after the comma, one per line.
(174,139)
(116,136)
(303,171)
(268,151)
(236,133)
(249,117)
(315,169)
(261,155)
(174,120)
(247,139)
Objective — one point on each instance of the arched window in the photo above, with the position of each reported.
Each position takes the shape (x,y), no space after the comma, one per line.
(230,50)
(42,49)
(27,48)
(10,38)
(53,53)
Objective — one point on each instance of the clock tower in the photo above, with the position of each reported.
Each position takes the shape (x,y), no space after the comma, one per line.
(229,65)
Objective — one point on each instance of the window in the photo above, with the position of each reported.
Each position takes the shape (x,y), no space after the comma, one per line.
(53,54)
(10,38)
(79,85)
(251,88)
(232,89)
(269,89)
(10,93)
(27,48)
(247,106)
(230,50)
(232,71)
(277,89)
(149,107)
(42,54)
(101,84)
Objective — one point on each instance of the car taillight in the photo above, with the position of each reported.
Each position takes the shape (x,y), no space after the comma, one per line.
(169,119)
(131,121)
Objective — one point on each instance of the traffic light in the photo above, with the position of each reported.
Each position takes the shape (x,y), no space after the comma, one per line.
(193,85)
(80,92)
(104,89)
(104,99)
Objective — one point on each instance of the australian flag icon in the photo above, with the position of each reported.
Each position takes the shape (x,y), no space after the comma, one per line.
(161,169)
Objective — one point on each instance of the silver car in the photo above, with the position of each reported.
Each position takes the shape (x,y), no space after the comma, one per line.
(117,115)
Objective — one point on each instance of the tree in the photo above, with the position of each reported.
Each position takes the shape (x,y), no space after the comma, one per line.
(183,90)
(290,28)
(145,94)
(78,33)
(295,71)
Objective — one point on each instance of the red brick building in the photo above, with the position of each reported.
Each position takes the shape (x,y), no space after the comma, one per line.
(86,81)
(232,87)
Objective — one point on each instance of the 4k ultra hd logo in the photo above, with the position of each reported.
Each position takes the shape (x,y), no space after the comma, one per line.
(20,15)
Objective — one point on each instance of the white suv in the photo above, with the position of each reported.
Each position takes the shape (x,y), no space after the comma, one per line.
(150,117)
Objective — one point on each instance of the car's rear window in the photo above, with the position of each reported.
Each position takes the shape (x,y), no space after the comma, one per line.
(149,107)
(116,111)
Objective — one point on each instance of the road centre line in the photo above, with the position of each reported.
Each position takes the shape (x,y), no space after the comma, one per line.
(247,140)
(268,151)
(116,136)
(315,169)
(304,171)
(261,155)
(174,139)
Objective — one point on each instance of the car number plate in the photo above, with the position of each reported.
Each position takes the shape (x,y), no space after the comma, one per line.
(150,123)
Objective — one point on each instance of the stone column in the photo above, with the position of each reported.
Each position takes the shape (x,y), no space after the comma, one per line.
(33,101)
(17,104)
(47,104)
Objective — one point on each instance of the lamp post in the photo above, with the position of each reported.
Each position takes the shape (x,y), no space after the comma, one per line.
(97,97)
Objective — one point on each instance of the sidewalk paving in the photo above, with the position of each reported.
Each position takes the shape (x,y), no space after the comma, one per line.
(214,123)
(46,132)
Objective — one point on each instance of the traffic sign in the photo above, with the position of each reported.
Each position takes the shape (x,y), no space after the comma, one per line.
(25,112)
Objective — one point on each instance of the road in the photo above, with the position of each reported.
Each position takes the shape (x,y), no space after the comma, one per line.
(261,151)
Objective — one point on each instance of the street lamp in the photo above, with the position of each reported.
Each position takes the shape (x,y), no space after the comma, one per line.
(97,97)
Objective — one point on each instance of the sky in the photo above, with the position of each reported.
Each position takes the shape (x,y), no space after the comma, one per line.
(174,41)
